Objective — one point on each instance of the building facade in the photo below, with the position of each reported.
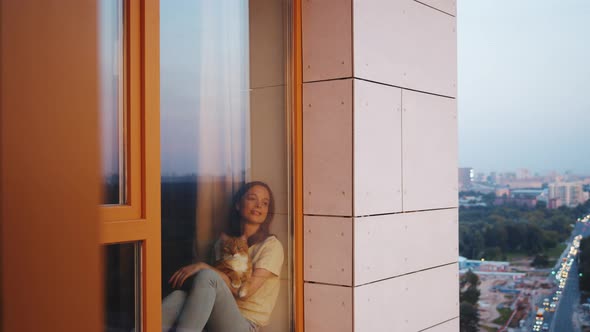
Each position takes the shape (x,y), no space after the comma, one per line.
(465,177)
(568,193)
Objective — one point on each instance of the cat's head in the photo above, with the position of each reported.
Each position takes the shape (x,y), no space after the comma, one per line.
(234,245)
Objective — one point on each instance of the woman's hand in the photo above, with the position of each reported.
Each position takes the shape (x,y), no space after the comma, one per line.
(179,277)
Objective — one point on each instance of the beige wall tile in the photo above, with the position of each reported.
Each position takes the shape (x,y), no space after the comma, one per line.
(396,244)
(447,6)
(327,148)
(406,44)
(449,326)
(328,308)
(328,250)
(268,135)
(377,149)
(327,39)
(429,151)
(267,43)
(281,318)
(408,303)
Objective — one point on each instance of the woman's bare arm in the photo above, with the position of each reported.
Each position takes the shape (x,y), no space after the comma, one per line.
(257,279)
(180,276)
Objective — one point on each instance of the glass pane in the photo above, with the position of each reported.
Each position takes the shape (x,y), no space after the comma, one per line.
(111,58)
(122,287)
(224,123)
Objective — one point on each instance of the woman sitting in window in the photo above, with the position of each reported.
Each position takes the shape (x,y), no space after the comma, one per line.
(212,300)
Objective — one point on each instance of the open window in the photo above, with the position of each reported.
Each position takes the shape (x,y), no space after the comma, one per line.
(225,121)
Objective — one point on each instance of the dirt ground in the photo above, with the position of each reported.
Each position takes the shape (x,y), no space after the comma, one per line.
(489,299)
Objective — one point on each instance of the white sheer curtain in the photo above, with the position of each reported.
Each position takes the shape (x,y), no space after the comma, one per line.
(223,136)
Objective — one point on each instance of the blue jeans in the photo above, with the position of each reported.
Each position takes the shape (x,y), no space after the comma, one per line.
(209,302)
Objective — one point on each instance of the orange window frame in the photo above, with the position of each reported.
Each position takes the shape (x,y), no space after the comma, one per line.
(132,208)
(297,141)
(139,219)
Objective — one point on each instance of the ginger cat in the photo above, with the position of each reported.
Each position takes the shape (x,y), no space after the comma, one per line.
(235,263)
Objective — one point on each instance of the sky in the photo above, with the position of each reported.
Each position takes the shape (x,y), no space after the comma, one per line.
(524,85)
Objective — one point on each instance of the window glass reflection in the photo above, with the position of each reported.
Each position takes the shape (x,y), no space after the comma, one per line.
(111,55)
(223,125)
(121,285)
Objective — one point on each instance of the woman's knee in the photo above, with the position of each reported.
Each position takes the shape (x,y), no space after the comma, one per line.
(207,275)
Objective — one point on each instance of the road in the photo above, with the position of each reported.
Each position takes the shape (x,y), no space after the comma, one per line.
(562,319)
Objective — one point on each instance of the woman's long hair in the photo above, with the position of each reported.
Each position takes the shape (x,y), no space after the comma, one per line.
(235,219)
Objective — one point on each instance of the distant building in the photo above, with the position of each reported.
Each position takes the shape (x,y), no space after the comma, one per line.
(554,203)
(508,176)
(465,178)
(479,177)
(502,192)
(471,201)
(529,202)
(483,265)
(493,177)
(523,173)
(570,193)
(524,183)
(521,197)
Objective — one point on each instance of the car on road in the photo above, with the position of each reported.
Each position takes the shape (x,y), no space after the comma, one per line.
(545,327)
(552,307)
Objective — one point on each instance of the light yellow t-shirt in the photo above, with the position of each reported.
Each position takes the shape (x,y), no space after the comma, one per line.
(268,255)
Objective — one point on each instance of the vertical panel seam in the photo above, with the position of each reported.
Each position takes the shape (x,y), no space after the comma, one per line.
(353,148)
(401,130)
(352,113)
(353,288)
(352,38)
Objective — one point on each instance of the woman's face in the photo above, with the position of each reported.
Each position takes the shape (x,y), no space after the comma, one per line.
(253,207)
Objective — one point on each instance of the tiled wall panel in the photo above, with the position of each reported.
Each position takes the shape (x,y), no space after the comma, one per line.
(280,319)
(328,250)
(408,303)
(447,6)
(328,308)
(406,44)
(449,326)
(377,149)
(396,244)
(327,148)
(267,56)
(429,151)
(327,39)
(268,142)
